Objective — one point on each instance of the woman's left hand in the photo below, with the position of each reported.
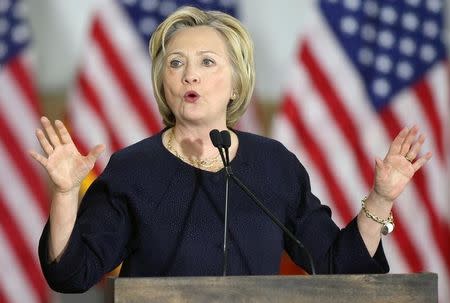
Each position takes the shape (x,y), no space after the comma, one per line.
(401,162)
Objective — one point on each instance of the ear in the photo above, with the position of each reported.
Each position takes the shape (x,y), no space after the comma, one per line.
(234,95)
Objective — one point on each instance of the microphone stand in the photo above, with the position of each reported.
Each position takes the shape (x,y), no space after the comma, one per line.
(217,142)
(274,220)
(225,143)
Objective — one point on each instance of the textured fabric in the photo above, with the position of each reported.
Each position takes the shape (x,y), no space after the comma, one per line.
(163,217)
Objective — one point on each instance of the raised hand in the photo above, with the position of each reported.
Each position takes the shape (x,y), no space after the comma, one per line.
(401,162)
(65,166)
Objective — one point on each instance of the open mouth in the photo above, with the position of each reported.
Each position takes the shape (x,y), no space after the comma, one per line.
(191,96)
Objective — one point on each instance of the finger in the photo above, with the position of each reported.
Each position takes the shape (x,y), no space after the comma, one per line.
(421,161)
(38,157)
(415,148)
(379,166)
(396,145)
(63,133)
(406,145)
(46,146)
(95,152)
(53,137)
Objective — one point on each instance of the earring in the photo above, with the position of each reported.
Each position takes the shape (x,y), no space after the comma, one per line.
(233,95)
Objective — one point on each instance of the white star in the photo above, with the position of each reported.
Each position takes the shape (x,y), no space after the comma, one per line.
(381,87)
(20,10)
(349,25)
(4,26)
(410,21)
(365,56)
(371,8)
(149,5)
(368,32)
(228,3)
(388,15)
(414,3)
(147,25)
(383,64)
(430,29)
(427,53)
(404,70)
(4,6)
(386,39)
(167,7)
(352,5)
(434,5)
(20,33)
(407,46)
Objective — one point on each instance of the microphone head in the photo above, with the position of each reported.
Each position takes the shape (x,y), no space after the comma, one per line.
(216,138)
(226,139)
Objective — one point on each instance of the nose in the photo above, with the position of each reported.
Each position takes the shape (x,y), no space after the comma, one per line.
(191,75)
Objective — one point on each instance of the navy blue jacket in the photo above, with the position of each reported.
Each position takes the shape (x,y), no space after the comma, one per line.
(163,217)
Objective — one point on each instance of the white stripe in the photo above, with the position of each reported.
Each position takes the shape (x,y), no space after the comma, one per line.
(87,127)
(438,79)
(16,111)
(12,278)
(20,201)
(124,120)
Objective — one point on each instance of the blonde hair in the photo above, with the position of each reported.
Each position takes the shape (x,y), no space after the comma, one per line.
(240,47)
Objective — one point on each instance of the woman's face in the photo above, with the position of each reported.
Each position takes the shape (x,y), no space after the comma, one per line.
(197,76)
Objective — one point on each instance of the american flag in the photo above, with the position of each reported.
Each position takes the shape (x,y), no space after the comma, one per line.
(112,100)
(23,195)
(364,70)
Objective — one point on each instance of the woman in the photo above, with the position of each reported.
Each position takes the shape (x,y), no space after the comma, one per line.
(158,206)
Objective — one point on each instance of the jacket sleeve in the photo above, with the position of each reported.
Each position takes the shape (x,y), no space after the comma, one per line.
(333,250)
(97,243)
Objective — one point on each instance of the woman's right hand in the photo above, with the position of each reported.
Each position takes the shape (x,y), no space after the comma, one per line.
(64,164)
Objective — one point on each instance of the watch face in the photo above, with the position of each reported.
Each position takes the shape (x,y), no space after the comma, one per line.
(387,228)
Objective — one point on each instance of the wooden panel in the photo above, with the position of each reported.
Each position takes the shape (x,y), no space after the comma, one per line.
(396,288)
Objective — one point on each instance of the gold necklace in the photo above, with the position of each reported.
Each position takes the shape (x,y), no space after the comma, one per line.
(199,163)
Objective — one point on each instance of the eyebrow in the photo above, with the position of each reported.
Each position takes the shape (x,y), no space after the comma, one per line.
(198,53)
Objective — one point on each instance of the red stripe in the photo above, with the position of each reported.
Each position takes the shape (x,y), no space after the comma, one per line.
(24,80)
(345,122)
(93,100)
(425,96)
(22,251)
(306,139)
(125,80)
(24,167)
(440,229)
(3,297)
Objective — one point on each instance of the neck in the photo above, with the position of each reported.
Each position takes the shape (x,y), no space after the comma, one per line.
(194,142)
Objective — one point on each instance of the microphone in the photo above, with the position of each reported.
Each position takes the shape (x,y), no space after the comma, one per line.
(226,142)
(225,139)
(216,140)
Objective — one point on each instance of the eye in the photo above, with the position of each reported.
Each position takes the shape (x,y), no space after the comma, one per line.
(175,63)
(207,62)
